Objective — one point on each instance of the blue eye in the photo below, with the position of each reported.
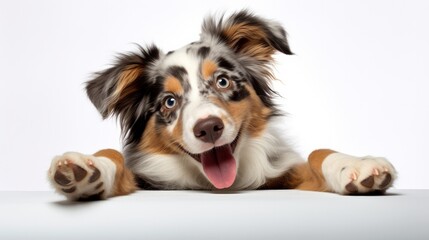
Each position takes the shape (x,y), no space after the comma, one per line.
(222,82)
(170,102)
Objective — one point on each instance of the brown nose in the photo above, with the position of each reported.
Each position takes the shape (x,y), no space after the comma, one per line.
(209,129)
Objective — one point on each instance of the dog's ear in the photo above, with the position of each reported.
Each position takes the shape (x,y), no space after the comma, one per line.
(248,35)
(117,90)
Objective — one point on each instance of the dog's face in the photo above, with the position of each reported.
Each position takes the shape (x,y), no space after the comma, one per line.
(198,100)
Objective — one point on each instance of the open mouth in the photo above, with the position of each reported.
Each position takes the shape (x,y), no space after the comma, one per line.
(219,164)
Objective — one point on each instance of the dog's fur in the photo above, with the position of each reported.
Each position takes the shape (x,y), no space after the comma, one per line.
(203,117)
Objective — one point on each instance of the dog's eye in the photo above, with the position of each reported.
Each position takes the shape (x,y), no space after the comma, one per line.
(222,82)
(170,102)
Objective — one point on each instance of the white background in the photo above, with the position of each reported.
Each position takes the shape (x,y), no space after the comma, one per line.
(358,82)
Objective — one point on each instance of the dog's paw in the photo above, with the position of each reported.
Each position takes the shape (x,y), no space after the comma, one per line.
(367,175)
(82,177)
(352,175)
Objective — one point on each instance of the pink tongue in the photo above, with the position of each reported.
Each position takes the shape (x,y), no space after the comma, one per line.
(219,166)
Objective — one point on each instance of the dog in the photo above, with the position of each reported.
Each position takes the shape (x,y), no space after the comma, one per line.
(202,117)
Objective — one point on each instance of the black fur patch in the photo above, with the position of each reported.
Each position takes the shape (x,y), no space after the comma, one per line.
(144,184)
(178,72)
(203,52)
(262,89)
(223,63)
(239,95)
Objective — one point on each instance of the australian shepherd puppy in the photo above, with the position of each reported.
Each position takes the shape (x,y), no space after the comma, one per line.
(203,117)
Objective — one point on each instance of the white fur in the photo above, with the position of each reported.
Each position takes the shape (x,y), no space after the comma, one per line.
(171,171)
(264,157)
(338,170)
(84,188)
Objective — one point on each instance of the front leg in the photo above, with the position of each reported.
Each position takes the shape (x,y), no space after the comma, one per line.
(91,177)
(330,171)
(347,174)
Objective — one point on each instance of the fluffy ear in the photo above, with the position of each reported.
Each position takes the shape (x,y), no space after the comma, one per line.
(127,91)
(248,35)
(118,89)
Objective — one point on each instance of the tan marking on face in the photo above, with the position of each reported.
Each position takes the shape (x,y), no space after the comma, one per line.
(239,111)
(259,114)
(178,131)
(159,140)
(152,140)
(249,114)
(208,68)
(173,85)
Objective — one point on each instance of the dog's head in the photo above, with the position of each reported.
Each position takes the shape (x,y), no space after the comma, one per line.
(197,100)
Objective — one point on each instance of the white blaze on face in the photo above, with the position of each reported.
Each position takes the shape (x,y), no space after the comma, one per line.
(196,106)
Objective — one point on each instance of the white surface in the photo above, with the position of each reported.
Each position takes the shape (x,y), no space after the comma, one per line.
(358,82)
(283,214)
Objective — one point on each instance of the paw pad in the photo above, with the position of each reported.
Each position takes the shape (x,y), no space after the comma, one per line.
(95,175)
(375,182)
(77,177)
(386,180)
(368,182)
(78,172)
(61,179)
(69,190)
(351,188)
